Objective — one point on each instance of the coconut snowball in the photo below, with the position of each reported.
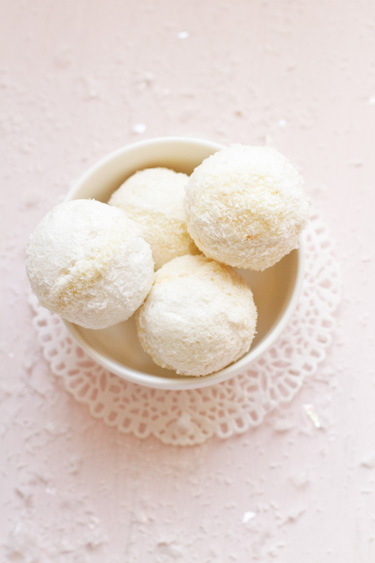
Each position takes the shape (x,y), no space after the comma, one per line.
(87,262)
(245,207)
(154,199)
(198,317)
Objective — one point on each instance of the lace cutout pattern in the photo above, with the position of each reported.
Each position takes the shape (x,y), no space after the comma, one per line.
(191,417)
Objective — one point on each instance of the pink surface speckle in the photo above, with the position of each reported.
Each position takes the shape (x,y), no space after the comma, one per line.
(78,80)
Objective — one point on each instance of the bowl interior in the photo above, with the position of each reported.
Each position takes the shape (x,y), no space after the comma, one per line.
(117,348)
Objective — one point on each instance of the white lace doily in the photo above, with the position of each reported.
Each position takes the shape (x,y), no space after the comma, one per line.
(191,417)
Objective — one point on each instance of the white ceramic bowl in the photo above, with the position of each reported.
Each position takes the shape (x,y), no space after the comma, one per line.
(276,290)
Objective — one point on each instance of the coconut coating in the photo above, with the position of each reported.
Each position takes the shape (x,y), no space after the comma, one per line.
(87,262)
(245,207)
(198,317)
(154,198)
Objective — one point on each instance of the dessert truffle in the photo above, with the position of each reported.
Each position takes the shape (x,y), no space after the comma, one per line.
(87,262)
(154,198)
(245,207)
(198,317)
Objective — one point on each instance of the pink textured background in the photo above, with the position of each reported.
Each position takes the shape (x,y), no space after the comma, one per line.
(75,78)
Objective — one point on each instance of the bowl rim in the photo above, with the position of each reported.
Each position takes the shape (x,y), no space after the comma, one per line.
(133,146)
(185,382)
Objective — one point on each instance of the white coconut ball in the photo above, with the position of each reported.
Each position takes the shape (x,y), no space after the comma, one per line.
(87,262)
(245,207)
(198,317)
(154,198)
